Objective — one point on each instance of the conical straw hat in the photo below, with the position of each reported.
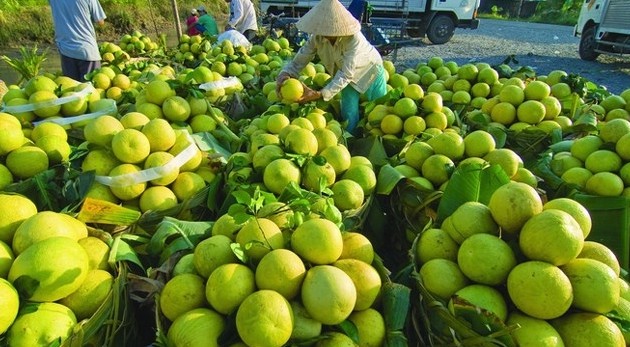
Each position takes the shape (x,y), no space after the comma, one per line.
(329,18)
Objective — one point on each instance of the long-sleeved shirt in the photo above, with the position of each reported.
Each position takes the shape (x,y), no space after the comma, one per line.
(208,22)
(74,29)
(351,60)
(242,15)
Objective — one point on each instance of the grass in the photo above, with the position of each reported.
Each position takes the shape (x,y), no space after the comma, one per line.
(26,22)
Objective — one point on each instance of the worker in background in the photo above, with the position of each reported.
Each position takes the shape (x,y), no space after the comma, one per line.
(243,18)
(75,35)
(206,24)
(356,66)
(191,21)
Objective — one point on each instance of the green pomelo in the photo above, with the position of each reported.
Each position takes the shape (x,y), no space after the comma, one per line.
(41,324)
(50,269)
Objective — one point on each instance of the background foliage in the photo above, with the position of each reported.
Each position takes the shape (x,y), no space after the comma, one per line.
(564,12)
(29,21)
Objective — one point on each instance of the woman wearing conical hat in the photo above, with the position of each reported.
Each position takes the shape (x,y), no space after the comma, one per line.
(356,66)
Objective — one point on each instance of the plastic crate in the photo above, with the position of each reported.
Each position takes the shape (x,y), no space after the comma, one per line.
(611,223)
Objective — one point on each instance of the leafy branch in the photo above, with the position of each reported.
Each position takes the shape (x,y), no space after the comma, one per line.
(29,64)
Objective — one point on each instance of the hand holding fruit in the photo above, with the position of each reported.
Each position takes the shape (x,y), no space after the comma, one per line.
(282,76)
(309,95)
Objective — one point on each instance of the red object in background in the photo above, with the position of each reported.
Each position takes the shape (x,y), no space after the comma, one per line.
(190,24)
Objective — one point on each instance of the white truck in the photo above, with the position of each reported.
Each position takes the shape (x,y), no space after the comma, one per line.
(435,19)
(603,28)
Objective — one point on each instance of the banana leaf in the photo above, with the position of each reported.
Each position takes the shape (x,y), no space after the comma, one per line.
(105,212)
(173,235)
(396,308)
(529,143)
(553,185)
(208,143)
(470,183)
(388,179)
(372,148)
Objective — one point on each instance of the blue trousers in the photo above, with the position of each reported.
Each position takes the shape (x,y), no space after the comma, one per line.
(350,99)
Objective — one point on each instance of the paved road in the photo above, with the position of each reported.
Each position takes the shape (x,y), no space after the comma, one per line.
(544,47)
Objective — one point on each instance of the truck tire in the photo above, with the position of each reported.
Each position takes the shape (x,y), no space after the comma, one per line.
(587,44)
(441,29)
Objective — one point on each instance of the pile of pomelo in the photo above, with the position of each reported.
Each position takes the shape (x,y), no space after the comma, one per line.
(304,151)
(598,163)
(289,285)
(52,273)
(290,272)
(528,263)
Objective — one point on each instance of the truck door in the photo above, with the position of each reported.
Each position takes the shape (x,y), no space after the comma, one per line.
(463,9)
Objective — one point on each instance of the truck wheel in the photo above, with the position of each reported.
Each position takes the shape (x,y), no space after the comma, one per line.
(441,29)
(587,44)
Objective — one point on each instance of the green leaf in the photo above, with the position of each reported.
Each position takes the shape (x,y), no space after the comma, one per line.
(477,118)
(241,217)
(348,328)
(242,197)
(239,251)
(499,134)
(482,321)
(585,123)
(298,159)
(207,142)
(121,251)
(622,321)
(214,192)
(171,230)
(472,182)
(332,213)
(388,178)
(319,160)
(561,146)
(372,148)
(235,209)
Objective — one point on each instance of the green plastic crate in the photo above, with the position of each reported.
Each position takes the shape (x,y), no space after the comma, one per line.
(611,223)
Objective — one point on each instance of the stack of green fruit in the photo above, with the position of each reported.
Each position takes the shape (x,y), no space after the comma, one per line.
(277,282)
(597,163)
(430,93)
(133,144)
(305,152)
(49,97)
(192,48)
(52,273)
(529,263)
(135,44)
(431,163)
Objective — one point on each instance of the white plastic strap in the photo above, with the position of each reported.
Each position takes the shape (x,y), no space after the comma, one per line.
(56,102)
(150,174)
(111,109)
(222,83)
